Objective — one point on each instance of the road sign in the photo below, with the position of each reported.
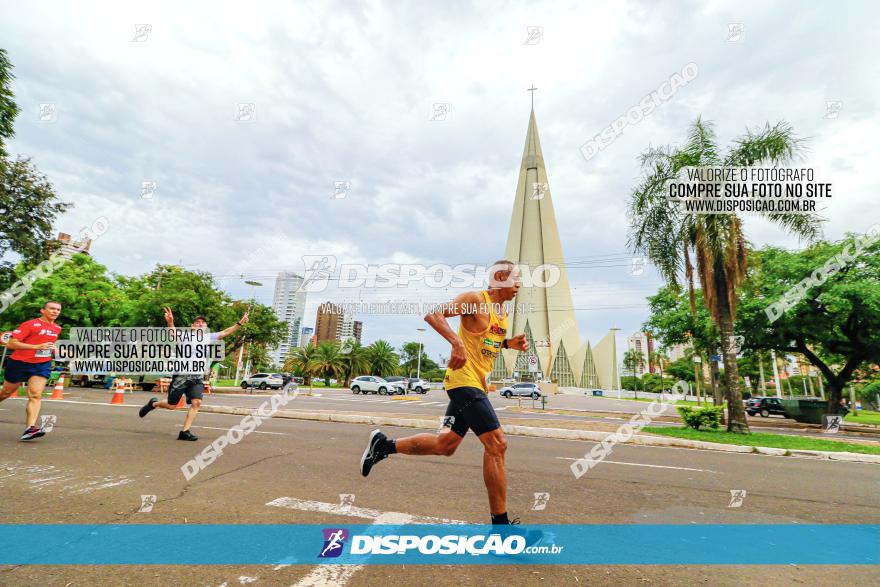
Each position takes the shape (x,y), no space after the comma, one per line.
(715,358)
(533,364)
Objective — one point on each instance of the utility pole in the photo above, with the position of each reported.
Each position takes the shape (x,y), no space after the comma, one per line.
(238,364)
(775,372)
(761,372)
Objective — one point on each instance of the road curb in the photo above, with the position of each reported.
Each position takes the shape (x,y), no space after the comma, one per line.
(558,434)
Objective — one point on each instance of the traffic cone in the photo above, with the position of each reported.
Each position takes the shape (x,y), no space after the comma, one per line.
(119,395)
(181,403)
(58,392)
(207,387)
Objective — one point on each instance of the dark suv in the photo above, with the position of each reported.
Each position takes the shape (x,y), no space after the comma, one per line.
(765,406)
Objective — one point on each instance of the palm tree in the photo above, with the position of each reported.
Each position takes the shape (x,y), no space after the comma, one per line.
(355,359)
(328,361)
(301,359)
(382,358)
(669,238)
(633,360)
(658,358)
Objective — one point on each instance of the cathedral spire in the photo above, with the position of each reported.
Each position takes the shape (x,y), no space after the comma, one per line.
(533,241)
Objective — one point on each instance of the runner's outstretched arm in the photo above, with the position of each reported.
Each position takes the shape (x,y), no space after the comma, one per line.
(226,332)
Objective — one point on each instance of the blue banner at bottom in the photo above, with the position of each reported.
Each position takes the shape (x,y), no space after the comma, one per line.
(607,544)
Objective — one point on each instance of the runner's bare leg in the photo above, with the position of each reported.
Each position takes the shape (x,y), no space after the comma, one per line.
(36,385)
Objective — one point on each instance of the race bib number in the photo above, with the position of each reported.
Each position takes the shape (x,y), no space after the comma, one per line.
(43,353)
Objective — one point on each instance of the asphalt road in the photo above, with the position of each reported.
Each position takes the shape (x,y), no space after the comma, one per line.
(432,405)
(98,461)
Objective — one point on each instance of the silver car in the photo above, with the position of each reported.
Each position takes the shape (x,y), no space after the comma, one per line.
(522,389)
(372,384)
(263,381)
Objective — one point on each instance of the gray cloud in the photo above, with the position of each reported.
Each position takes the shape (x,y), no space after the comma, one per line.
(345,93)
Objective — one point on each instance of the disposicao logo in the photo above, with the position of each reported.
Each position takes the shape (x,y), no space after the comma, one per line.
(334,540)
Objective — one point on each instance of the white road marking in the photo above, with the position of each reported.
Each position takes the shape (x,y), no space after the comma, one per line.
(355,512)
(642,465)
(104,483)
(46,481)
(328,576)
(254,431)
(36,476)
(339,575)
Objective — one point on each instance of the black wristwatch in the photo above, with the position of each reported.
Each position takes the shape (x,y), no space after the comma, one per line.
(504,344)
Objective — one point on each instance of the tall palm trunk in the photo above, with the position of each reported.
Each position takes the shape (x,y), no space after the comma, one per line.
(736,413)
(692,298)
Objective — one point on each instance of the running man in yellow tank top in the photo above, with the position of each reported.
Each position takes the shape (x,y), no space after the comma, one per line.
(482,333)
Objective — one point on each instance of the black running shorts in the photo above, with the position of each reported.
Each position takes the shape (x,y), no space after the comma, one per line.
(191,386)
(469,408)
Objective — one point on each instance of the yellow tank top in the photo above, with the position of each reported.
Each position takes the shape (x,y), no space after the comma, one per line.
(480,350)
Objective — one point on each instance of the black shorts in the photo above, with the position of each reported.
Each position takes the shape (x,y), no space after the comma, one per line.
(191,386)
(21,371)
(469,408)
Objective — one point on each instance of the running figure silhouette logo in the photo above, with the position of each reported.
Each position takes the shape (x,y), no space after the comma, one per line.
(318,271)
(334,540)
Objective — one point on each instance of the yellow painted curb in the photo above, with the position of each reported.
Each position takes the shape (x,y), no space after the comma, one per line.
(405,398)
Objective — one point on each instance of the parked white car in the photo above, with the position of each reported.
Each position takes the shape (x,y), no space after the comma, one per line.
(419,385)
(522,389)
(372,384)
(263,381)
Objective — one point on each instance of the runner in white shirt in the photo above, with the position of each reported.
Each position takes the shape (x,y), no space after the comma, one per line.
(192,386)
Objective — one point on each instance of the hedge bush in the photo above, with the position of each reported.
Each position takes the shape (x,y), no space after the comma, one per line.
(698,418)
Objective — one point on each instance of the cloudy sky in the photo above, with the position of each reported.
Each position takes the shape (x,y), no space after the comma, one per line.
(345,92)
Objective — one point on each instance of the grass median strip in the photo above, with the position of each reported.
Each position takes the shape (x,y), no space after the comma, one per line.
(763,439)
(864,417)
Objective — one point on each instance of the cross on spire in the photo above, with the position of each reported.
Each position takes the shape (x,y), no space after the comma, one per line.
(532,90)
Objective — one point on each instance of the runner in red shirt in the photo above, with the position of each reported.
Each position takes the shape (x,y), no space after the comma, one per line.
(31,362)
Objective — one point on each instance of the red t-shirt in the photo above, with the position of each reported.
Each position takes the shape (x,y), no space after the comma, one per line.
(35,332)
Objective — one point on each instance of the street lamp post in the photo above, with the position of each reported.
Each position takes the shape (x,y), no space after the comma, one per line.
(254,285)
(615,330)
(419,361)
(775,372)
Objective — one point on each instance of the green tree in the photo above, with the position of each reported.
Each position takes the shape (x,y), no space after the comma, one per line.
(383,359)
(668,236)
(659,359)
(8,108)
(633,361)
(835,324)
(409,359)
(194,293)
(87,295)
(301,361)
(630,382)
(681,369)
(259,357)
(28,202)
(328,361)
(29,207)
(355,359)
